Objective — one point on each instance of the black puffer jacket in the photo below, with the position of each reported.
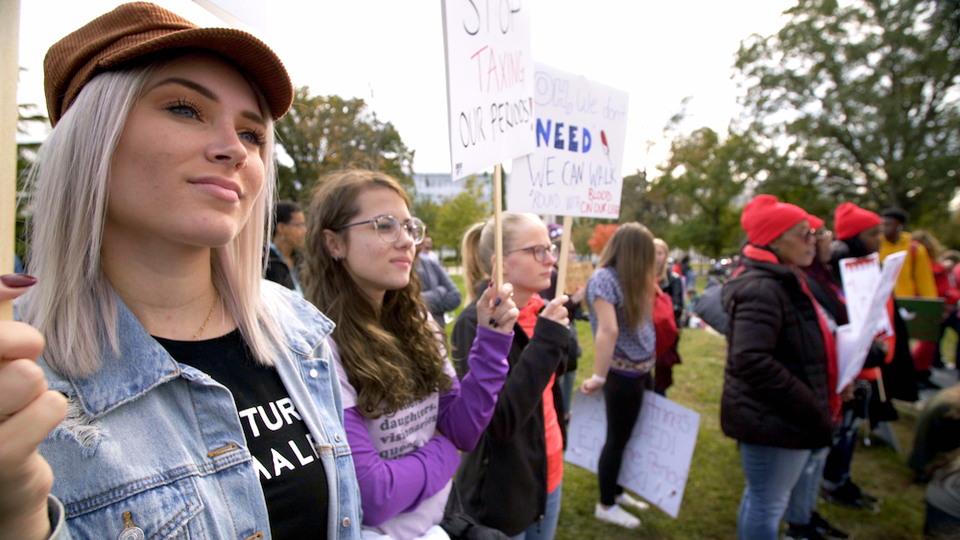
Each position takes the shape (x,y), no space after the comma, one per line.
(504,480)
(776,389)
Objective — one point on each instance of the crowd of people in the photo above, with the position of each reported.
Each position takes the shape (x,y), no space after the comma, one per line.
(155,386)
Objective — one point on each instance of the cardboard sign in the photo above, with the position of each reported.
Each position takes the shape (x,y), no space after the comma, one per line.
(576,168)
(656,462)
(489,82)
(578,273)
(853,344)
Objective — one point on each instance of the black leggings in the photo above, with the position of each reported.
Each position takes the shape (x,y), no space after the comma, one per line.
(623,396)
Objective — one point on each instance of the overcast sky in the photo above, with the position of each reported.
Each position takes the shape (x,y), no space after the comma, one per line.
(390,52)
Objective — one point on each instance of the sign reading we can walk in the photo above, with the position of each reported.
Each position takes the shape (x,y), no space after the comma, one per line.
(489,87)
(580,131)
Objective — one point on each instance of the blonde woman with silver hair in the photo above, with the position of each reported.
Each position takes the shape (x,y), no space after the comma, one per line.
(199,400)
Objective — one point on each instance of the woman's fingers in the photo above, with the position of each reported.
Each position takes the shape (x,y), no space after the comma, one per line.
(19,340)
(21,382)
(13,285)
(22,433)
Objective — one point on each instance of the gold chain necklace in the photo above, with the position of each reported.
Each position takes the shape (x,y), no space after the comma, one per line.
(204,325)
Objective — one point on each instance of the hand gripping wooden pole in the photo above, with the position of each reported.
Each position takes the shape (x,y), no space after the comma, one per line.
(9,75)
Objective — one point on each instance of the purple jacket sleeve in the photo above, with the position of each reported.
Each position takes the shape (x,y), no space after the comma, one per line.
(467,408)
(391,487)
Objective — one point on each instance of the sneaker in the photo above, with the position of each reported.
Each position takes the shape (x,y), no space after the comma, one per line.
(617,516)
(825,528)
(802,532)
(625,499)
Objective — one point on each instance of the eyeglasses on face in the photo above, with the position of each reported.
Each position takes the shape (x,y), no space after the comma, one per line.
(388,228)
(539,252)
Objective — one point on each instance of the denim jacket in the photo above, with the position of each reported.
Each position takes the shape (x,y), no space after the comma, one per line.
(158,445)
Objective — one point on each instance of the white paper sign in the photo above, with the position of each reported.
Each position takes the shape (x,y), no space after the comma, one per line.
(656,461)
(853,345)
(860,277)
(576,169)
(239,13)
(489,82)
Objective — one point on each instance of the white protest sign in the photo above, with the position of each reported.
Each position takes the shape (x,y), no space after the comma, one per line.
(853,345)
(239,13)
(580,130)
(656,461)
(489,84)
(860,277)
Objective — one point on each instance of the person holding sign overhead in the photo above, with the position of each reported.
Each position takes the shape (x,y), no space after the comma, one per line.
(621,316)
(406,415)
(199,398)
(778,396)
(512,481)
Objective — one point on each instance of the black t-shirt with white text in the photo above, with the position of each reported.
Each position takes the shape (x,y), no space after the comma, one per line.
(289,469)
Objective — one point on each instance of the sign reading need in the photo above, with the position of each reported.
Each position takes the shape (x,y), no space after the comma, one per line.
(576,168)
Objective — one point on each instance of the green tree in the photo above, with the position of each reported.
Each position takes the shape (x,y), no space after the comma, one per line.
(28,115)
(704,177)
(457,214)
(322,134)
(859,103)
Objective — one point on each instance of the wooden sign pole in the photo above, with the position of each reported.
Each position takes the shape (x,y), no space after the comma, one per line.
(498,223)
(9,75)
(564,252)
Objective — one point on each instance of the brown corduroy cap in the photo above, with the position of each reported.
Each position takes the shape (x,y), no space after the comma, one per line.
(137,29)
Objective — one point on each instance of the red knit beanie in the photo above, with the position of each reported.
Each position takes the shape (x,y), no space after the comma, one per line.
(764,219)
(850,220)
(815,222)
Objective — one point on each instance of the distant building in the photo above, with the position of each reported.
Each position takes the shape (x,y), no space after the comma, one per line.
(440,187)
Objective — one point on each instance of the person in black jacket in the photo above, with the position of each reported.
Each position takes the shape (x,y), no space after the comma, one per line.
(777,385)
(289,232)
(506,481)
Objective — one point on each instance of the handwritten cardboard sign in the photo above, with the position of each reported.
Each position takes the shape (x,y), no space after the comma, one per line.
(853,344)
(578,273)
(656,462)
(576,168)
(489,82)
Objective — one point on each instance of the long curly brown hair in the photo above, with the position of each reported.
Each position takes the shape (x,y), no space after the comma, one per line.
(391,355)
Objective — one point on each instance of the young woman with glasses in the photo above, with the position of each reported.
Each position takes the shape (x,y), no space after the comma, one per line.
(512,480)
(405,413)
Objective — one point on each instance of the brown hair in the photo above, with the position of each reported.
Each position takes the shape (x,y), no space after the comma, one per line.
(391,355)
(631,253)
(478,248)
(929,241)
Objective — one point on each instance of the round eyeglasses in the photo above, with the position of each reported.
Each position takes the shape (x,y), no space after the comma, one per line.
(388,228)
(539,252)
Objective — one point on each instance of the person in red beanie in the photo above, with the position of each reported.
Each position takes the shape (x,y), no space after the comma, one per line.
(858,235)
(781,363)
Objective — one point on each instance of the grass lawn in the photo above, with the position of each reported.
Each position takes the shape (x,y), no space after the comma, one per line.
(712,496)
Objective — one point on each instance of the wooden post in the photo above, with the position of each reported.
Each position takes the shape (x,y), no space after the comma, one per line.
(564,251)
(498,223)
(9,76)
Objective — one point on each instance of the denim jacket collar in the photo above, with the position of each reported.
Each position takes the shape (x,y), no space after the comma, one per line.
(120,380)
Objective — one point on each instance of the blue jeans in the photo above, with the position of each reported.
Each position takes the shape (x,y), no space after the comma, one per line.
(547,528)
(771,473)
(803,499)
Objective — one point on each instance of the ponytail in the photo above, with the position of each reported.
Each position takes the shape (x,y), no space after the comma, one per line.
(473,269)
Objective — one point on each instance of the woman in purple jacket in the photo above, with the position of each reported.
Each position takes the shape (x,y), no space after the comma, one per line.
(406,414)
